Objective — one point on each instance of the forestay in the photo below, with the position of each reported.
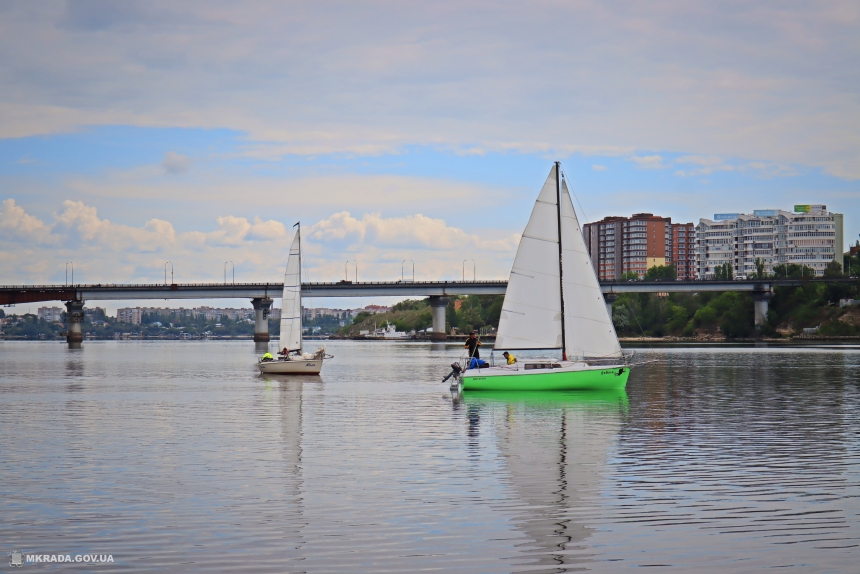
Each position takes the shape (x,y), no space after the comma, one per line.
(291,301)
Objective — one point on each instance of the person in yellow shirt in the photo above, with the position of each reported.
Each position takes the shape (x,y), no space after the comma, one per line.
(268,357)
(509,358)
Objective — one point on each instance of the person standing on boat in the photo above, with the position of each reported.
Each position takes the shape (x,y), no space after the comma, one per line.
(472,343)
(509,358)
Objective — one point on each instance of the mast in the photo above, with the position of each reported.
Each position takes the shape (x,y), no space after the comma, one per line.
(560,267)
(298,225)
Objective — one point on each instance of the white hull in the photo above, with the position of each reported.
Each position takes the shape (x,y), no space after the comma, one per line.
(298,367)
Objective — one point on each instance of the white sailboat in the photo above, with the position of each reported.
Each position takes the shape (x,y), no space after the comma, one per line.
(553,301)
(292,359)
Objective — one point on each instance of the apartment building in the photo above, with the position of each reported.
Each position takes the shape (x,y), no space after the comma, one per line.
(50,314)
(129,315)
(620,245)
(684,250)
(208,313)
(810,235)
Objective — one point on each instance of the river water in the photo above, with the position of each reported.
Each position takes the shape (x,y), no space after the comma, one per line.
(178,456)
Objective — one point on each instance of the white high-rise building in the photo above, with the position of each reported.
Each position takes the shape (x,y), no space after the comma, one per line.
(50,314)
(810,236)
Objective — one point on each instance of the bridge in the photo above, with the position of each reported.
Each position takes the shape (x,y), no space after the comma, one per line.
(263,294)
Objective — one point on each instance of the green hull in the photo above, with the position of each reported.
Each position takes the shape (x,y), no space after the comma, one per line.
(591,380)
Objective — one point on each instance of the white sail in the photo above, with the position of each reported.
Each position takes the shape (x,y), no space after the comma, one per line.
(531,312)
(291,301)
(588,332)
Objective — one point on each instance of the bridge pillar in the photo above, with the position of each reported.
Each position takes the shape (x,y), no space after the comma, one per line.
(75,319)
(760,301)
(261,319)
(438,304)
(609,299)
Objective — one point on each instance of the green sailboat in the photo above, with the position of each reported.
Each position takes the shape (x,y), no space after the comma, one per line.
(553,302)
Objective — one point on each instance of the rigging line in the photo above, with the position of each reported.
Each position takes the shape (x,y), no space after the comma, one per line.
(570,187)
(641,330)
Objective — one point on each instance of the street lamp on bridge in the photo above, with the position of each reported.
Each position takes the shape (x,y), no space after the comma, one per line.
(225,272)
(165,272)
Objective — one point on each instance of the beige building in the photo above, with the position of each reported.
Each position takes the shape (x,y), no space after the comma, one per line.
(129,315)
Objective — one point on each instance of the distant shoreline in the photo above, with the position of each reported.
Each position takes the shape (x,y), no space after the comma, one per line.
(625,341)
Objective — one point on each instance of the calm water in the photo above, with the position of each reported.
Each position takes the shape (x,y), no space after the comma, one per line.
(178,456)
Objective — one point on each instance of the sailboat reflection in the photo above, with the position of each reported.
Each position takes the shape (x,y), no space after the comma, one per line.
(285,391)
(554,447)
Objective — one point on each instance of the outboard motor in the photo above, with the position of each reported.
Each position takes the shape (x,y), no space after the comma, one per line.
(455,371)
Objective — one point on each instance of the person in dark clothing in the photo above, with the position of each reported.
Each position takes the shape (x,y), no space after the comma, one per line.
(472,343)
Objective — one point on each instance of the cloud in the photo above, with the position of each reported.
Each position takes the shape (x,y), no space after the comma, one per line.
(417,231)
(597,167)
(766,81)
(237,230)
(648,161)
(711,164)
(35,251)
(175,163)
(18,224)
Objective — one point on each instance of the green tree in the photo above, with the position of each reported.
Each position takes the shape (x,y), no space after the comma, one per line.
(724,272)
(833,269)
(792,271)
(361,316)
(759,269)
(661,273)
(629,276)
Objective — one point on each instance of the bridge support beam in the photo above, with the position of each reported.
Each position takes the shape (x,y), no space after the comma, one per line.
(609,299)
(438,304)
(760,301)
(75,320)
(261,319)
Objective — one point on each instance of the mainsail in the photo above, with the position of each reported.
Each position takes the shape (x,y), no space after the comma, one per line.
(291,301)
(531,315)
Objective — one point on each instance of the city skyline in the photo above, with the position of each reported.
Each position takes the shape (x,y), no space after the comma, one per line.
(395,135)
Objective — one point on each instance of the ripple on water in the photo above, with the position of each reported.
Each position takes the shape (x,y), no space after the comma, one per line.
(179,456)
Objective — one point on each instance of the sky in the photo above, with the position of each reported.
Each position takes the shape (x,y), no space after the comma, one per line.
(133,134)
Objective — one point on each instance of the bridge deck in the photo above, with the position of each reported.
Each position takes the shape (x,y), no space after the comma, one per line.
(13,294)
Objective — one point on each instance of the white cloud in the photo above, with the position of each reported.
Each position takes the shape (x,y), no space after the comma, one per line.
(700,160)
(416,231)
(34,251)
(648,161)
(597,167)
(761,81)
(711,164)
(18,224)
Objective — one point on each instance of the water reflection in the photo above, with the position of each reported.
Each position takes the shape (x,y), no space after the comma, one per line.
(180,456)
(554,447)
(74,370)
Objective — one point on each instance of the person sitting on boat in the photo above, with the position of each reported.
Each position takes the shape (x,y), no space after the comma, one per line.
(267,357)
(509,358)
(472,343)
